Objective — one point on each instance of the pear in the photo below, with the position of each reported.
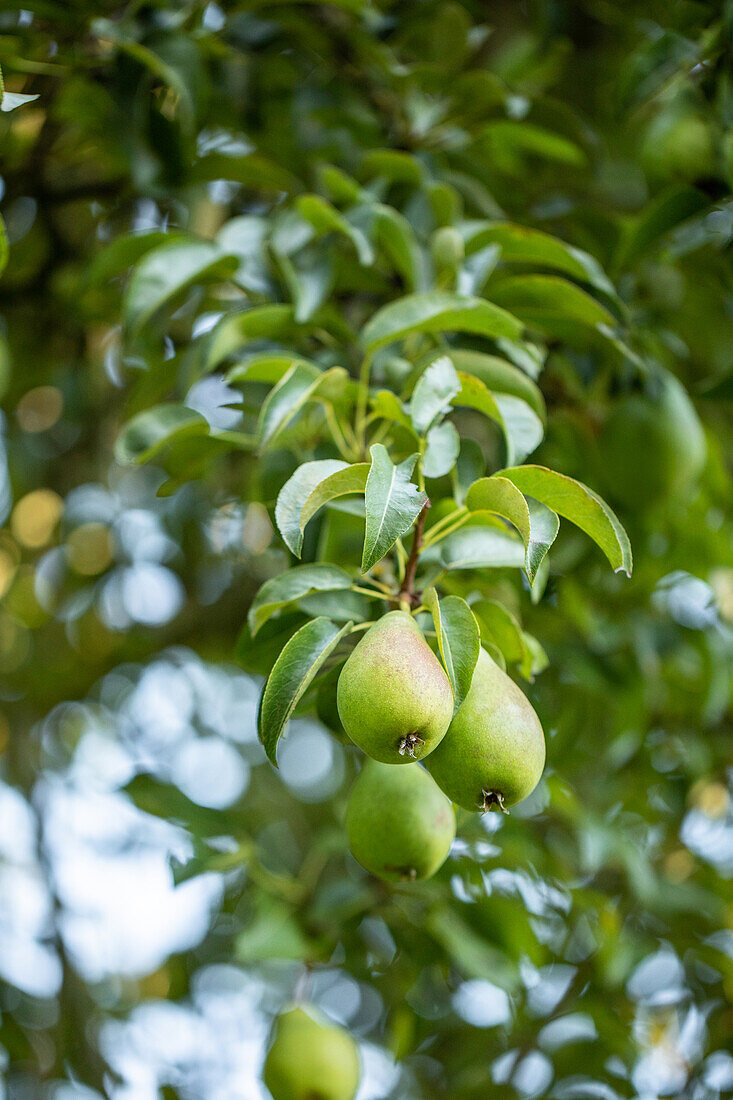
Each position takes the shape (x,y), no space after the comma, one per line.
(394,699)
(399,824)
(494,752)
(311,1058)
(652,446)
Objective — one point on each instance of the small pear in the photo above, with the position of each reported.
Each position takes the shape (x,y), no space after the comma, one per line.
(311,1058)
(399,824)
(494,752)
(394,699)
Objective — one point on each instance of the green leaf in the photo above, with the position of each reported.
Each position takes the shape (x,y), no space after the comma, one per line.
(293,496)
(519,244)
(393,234)
(326,219)
(576,502)
(4,250)
(432,395)
(292,585)
(540,300)
(262,323)
(507,136)
(458,640)
(442,445)
(500,377)
(302,383)
(537,524)
(662,214)
(246,238)
(394,165)
(122,252)
(309,278)
(292,673)
(523,429)
(482,548)
(347,480)
(437,311)
(392,504)
(387,406)
(268,367)
(500,627)
(166,271)
(151,430)
(251,170)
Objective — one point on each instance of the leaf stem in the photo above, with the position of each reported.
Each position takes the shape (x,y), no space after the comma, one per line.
(362,401)
(374,595)
(446,525)
(344,447)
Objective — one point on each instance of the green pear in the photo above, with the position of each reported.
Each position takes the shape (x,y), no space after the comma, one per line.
(652,445)
(494,752)
(394,699)
(311,1058)
(399,824)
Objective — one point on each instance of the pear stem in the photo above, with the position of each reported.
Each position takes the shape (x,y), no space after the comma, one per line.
(407,591)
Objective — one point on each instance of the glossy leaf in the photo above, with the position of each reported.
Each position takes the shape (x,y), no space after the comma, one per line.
(458,640)
(432,395)
(272,322)
(481,548)
(437,311)
(301,384)
(293,585)
(500,377)
(574,501)
(541,300)
(293,496)
(343,482)
(519,244)
(291,675)
(168,270)
(392,504)
(442,445)
(151,430)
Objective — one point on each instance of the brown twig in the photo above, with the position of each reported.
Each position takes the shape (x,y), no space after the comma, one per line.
(407,591)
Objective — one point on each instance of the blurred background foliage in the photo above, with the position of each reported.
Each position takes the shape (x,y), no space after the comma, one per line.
(163,890)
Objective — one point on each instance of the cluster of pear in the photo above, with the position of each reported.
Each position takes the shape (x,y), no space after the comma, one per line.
(396,703)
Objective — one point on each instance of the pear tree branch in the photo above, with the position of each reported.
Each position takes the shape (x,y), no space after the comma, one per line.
(407,591)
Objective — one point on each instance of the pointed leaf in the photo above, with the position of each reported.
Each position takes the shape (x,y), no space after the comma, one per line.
(576,502)
(291,675)
(519,244)
(151,430)
(166,271)
(392,503)
(262,323)
(293,496)
(437,311)
(442,445)
(326,219)
(541,300)
(500,377)
(341,483)
(293,585)
(432,395)
(302,383)
(523,429)
(458,640)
